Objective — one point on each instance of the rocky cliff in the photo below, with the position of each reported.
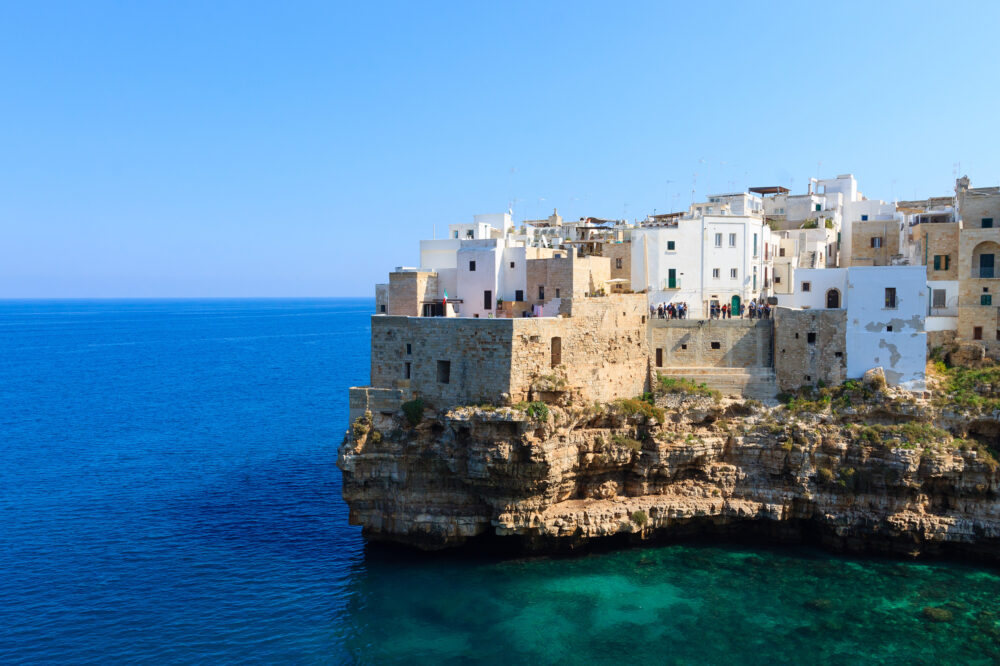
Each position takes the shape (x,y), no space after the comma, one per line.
(859,468)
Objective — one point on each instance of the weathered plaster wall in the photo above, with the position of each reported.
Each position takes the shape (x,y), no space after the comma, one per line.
(893,338)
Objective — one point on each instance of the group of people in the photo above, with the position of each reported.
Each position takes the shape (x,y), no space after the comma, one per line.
(754,309)
(669,311)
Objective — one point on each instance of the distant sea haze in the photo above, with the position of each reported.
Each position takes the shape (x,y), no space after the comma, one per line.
(170,496)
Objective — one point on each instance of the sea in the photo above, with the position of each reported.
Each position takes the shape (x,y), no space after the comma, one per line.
(169,495)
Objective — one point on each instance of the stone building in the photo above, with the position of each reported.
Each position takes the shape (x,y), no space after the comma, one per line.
(811,346)
(978,273)
(876,243)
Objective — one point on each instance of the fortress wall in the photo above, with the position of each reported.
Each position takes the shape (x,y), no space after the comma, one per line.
(476,353)
(687,343)
(602,348)
(799,362)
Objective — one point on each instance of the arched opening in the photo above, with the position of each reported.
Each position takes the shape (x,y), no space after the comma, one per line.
(983,260)
(833,298)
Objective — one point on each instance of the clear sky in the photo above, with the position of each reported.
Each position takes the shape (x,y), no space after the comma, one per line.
(302,149)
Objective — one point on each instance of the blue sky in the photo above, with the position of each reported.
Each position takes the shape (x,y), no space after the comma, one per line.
(302,149)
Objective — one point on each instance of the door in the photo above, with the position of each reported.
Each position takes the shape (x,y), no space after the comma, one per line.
(672,278)
(487,300)
(833,299)
(986,265)
(556,356)
(734,305)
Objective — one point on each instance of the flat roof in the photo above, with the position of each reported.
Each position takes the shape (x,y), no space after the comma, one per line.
(770,189)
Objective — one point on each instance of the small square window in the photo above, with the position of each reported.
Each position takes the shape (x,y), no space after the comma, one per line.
(684,346)
(864,218)
(809,378)
(811,338)
(838,354)
(987,223)
(806,286)
(716,345)
(888,329)
(671,245)
(777,279)
(444,372)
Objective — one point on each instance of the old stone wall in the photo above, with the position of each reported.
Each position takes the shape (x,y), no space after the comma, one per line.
(720,343)
(382,299)
(938,240)
(408,290)
(620,257)
(862,252)
(810,346)
(566,277)
(449,360)
(601,350)
(979,297)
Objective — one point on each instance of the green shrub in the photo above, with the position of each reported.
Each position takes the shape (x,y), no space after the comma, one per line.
(684,385)
(936,614)
(361,425)
(825,475)
(414,411)
(376,437)
(633,406)
(639,518)
(536,410)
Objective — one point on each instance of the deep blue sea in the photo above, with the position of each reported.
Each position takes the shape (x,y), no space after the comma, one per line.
(169,494)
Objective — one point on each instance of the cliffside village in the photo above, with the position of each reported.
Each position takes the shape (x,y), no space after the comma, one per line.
(838,284)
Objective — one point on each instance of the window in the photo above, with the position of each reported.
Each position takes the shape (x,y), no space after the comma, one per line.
(406,370)
(811,338)
(977,332)
(618,263)
(987,223)
(876,241)
(806,286)
(456,234)
(888,329)
(715,273)
(557,292)
(733,273)
(718,240)
(670,246)
(941,262)
(986,299)
(755,245)
(444,372)
(469,234)
(382,307)
(890,298)
(409,348)
(781,251)
(864,218)
(541,292)
(777,279)
(556,355)
(519,295)
(659,358)
(487,300)
(732,240)
(819,207)
(472,266)
(938,298)
(716,345)
(684,346)
(512,264)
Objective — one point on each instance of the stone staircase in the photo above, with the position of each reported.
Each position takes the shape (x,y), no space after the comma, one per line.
(756,383)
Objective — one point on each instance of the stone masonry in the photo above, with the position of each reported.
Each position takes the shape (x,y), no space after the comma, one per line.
(810,347)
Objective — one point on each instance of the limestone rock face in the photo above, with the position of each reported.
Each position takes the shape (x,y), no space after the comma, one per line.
(712,467)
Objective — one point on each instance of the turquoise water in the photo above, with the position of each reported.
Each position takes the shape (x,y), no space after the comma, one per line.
(170,496)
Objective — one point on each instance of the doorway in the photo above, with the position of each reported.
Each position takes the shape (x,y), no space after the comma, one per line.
(833,299)
(734,306)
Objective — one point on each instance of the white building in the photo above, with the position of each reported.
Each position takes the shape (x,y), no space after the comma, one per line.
(720,259)
(886,308)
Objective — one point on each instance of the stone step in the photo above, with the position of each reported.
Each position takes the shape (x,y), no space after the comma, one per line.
(757,383)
